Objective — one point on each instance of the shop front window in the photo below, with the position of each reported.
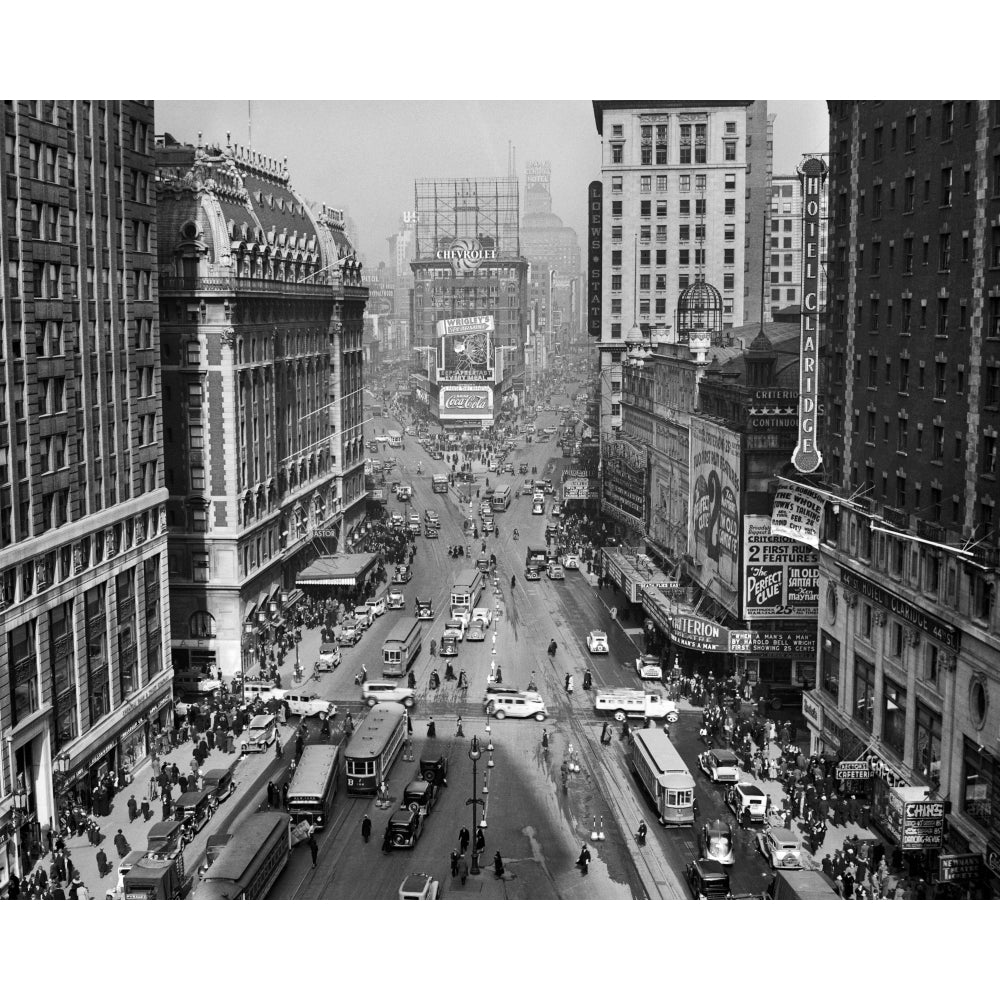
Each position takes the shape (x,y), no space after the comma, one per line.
(927,746)
(830,665)
(980,772)
(893,716)
(864,692)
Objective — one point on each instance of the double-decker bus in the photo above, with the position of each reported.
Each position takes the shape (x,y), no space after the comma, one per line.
(466,590)
(501,497)
(314,785)
(661,771)
(251,862)
(439,484)
(373,748)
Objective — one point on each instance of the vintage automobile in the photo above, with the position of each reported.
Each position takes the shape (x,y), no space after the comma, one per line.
(522,469)
(781,847)
(716,842)
(556,510)
(648,667)
(434,769)
(261,733)
(597,642)
(350,633)
(484,615)
(420,796)
(720,765)
(743,795)
(424,609)
(220,782)
(554,571)
(377,605)
(707,879)
(372,692)
(570,561)
(329,656)
(430,517)
(363,616)
(537,506)
(404,829)
(419,886)
(308,704)
(508,468)
(489,525)
(528,488)
(432,531)
(448,646)
(402,574)
(532,573)
(395,600)
(457,623)
(476,632)
(193,810)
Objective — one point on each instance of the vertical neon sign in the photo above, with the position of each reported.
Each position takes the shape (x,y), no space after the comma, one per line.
(807,457)
(595,261)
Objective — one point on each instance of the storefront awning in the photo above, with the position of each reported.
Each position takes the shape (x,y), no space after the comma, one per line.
(342,570)
(628,570)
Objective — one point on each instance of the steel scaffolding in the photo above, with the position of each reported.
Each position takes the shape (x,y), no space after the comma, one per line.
(480,208)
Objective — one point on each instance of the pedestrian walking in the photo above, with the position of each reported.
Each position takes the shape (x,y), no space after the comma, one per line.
(641,834)
(454,863)
(366,828)
(480,841)
(463,840)
(463,868)
(431,729)
(313,847)
(102,862)
(121,844)
(498,869)
(583,861)
(458,724)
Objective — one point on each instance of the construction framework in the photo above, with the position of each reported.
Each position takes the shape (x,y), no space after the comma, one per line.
(474,208)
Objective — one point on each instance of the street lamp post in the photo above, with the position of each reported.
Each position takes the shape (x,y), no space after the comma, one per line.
(474,754)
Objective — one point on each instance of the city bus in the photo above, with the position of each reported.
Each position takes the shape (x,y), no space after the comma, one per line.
(395,439)
(466,590)
(501,497)
(401,647)
(373,748)
(658,766)
(251,862)
(439,484)
(314,785)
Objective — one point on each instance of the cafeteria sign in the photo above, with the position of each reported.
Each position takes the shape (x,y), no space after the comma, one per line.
(853,770)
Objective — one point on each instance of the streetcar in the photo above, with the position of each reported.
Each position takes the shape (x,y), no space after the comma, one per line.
(466,591)
(660,770)
(250,863)
(373,748)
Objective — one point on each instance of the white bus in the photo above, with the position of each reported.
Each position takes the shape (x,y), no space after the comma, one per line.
(401,647)
(466,590)
(501,497)
(395,439)
(439,484)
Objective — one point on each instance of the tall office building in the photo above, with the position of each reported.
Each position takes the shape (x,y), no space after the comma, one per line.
(262,310)
(909,644)
(685,195)
(785,247)
(83,587)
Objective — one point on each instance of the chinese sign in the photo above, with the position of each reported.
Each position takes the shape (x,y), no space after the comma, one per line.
(714,503)
(780,577)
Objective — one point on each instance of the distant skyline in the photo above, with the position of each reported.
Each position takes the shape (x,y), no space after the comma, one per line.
(364,156)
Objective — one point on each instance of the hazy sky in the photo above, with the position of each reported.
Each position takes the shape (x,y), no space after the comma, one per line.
(365,155)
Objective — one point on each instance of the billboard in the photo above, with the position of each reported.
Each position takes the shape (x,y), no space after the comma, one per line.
(797,513)
(467,402)
(624,481)
(714,533)
(579,488)
(465,349)
(780,577)
(466,254)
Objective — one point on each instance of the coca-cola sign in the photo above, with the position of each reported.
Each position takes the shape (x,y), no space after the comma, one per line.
(465,401)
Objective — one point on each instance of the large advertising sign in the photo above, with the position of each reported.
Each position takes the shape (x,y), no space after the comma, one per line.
(807,457)
(797,513)
(699,633)
(714,533)
(595,256)
(918,826)
(465,255)
(624,481)
(780,577)
(465,349)
(472,402)
(579,488)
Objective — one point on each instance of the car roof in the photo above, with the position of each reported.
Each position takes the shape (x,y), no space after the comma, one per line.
(597,633)
(710,868)
(416,882)
(747,789)
(783,836)
(724,756)
(261,720)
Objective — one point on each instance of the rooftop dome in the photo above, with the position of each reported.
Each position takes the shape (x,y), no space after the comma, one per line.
(699,311)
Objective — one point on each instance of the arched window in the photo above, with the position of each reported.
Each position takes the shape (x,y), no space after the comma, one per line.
(202,625)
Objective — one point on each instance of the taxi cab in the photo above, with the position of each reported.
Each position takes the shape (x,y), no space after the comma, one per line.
(746,795)
(720,765)
(781,847)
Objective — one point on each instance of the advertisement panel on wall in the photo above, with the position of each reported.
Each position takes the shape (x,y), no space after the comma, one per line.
(466,402)
(624,481)
(714,500)
(797,513)
(780,577)
(579,488)
(465,349)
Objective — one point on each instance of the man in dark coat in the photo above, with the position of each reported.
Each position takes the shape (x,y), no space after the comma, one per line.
(102,862)
(121,844)
(133,808)
(463,840)
(366,829)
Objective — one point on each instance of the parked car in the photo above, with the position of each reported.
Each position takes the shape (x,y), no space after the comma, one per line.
(648,667)
(377,605)
(419,886)
(363,615)
(720,765)
(743,794)
(404,828)
(570,561)
(597,642)
(372,692)
(350,633)
(781,847)
(396,600)
(329,656)
(402,574)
